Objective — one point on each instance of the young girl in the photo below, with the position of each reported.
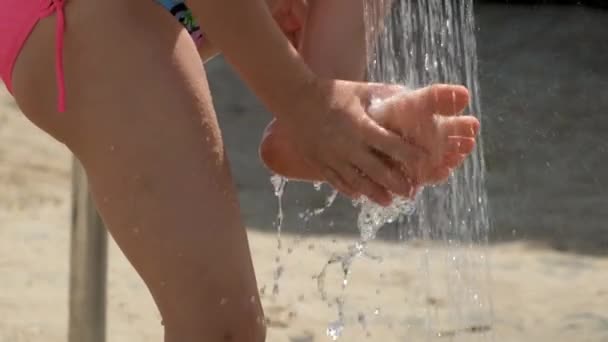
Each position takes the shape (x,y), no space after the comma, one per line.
(121,84)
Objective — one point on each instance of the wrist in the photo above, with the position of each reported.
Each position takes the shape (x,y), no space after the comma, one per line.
(298,94)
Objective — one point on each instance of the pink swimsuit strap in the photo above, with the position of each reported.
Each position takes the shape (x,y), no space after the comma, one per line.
(57,6)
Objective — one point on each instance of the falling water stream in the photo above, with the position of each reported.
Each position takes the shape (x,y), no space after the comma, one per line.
(422,42)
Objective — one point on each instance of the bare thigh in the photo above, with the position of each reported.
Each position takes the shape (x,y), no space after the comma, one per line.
(140,119)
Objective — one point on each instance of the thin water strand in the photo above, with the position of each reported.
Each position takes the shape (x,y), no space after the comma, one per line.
(424,42)
(278,184)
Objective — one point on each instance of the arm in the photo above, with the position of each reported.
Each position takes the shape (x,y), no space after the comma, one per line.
(247,35)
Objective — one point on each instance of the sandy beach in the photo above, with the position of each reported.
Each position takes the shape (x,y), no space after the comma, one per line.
(548,256)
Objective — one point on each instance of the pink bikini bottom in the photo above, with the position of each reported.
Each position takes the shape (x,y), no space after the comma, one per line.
(19,17)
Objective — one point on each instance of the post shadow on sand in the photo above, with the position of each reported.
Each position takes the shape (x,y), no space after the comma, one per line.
(544,96)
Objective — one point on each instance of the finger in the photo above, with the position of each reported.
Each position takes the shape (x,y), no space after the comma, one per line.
(383,173)
(414,186)
(359,182)
(439,175)
(443,99)
(403,173)
(459,145)
(464,126)
(453,161)
(333,178)
(391,145)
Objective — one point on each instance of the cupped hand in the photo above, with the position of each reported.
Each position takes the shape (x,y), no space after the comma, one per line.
(341,142)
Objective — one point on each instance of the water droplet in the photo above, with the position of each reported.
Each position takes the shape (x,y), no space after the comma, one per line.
(136,230)
(278,183)
(334,330)
(377,311)
(163,283)
(112,148)
(223,301)
(252,299)
(317,185)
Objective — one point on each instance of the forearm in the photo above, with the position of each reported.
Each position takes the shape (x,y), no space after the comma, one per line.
(250,40)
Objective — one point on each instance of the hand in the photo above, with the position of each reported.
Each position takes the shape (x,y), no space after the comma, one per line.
(338,140)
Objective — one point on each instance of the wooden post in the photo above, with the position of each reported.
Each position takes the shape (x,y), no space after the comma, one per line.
(88,265)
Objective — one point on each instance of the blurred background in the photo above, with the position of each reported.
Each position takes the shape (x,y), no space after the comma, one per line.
(544,97)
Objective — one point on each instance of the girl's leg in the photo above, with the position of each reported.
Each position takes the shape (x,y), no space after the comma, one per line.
(140,119)
(334,43)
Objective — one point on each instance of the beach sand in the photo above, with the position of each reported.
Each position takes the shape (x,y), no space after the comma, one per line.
(548,264)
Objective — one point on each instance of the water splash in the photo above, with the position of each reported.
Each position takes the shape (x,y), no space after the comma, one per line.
(329,200)
(345,260)
(373,217)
